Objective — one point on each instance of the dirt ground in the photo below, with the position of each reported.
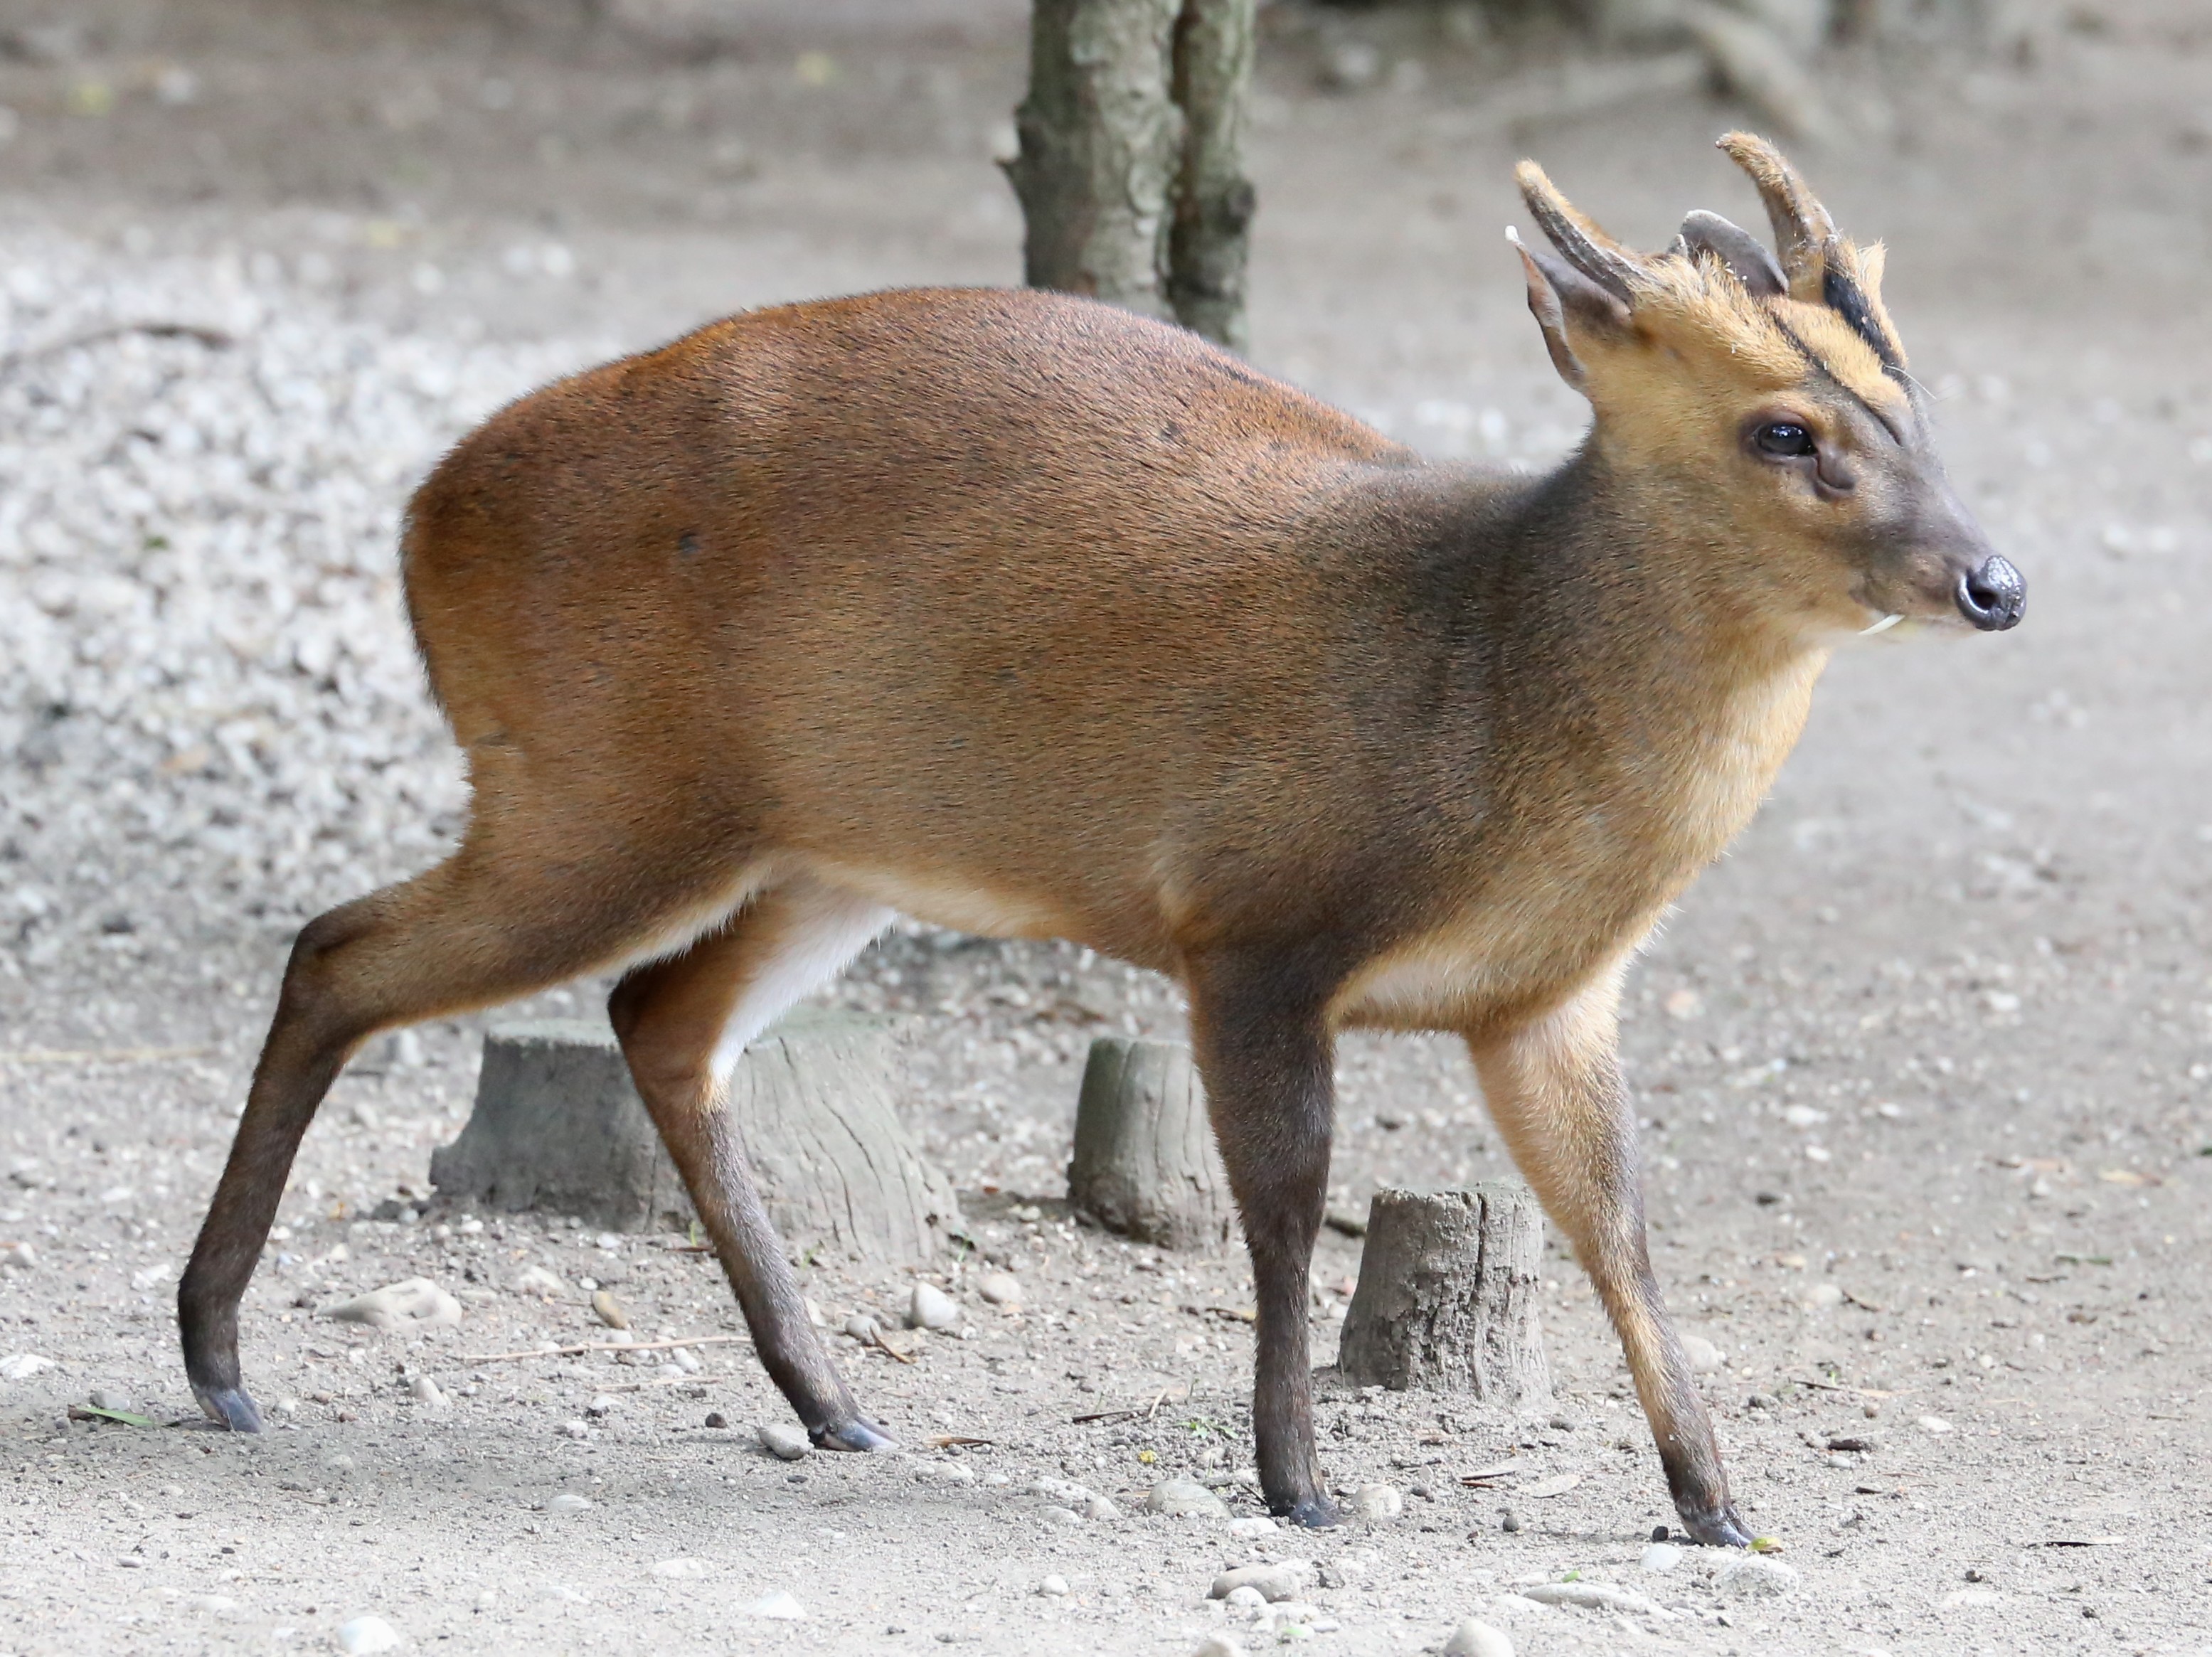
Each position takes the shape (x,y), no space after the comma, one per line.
(1926,1064)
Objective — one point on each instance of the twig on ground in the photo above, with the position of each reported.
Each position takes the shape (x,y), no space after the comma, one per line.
(602,1346)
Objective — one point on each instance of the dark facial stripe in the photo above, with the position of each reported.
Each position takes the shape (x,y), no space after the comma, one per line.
(1820,367)
(1841,295)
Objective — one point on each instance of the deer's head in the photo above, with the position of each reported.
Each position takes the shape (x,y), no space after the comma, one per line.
(1771,393)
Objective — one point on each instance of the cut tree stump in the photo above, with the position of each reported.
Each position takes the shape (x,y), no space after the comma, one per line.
(558,1127)
(1145,1163)
(1447,1295)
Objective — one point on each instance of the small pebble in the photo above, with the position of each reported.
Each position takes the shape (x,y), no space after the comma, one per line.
(599,1407)
(1933,1424)
(1478,1639)
(1098,1507)
(679,1567)
(863,1329)
(1377,1504)
(1218,1645)
(1184,1498)
(1509,1523)
(416,1304)
(1704,1357)
(931,1308)
(364,1635)
(425,1391)
(17,1257)
(1660,1556)
(577,1430)
(568,1501)
(1057,1516)
(1245,1530)
(779,1606)
(715,1418)
(110,1397)
(1244,1597)
(1283,1580)
(786,1443)
(1824,1297)
(999,1288)
(1755,1577)
(609,1310)
(536,1280)
(1053,1587)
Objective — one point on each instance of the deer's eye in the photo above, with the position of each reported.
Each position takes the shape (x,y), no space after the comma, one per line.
(1783,438)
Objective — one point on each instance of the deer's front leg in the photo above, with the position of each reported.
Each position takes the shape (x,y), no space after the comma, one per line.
(1263,1048)
(1554,1088)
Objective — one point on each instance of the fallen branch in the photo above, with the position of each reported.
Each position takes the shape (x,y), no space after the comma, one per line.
(214,339)
(602,1346)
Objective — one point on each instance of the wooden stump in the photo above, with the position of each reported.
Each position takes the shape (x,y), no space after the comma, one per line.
(558,1127)
(1447,1295)
(1145,1163)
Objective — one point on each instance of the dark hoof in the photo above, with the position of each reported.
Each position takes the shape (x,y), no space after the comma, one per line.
(1718,1528)
(230,1406)
(854,1435)
(1313,1512)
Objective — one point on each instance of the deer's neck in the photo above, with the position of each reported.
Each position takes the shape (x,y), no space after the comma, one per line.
(1653,664)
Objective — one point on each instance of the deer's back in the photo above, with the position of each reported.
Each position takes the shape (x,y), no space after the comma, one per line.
(993,586)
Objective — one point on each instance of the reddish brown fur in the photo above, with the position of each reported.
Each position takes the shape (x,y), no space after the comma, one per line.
(1021,615)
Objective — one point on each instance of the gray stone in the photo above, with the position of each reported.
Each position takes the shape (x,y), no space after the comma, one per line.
(931,1308)
(999,1288)
(1378,1504)
(1145,1164)
(1660,1556)
(1590,1596)
(784,1442)
(1185,1498)
(558,1127)
(415,1304)
(1753,1576)
(1478,1639)
(1282,1580)
(1447,1297)
(1704,1357)
(363,1637)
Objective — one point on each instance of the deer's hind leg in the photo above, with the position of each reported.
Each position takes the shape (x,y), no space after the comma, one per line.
(684,1022)
(500,918)
(1554,1090)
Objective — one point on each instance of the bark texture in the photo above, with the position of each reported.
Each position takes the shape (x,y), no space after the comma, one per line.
(1101,142)
(1211,239)
(1447,1295)
(1144,1163)
(558,1127)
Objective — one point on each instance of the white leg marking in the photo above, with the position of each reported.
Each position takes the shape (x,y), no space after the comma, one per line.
(823,928)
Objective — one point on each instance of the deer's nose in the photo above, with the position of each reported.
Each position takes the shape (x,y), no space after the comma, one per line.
(1992,596)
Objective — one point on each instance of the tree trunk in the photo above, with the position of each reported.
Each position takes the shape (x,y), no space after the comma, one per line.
(1447,1295)
(1131,173)
(558,1127)
(1210,241)
(1100,143)
(1144,1163)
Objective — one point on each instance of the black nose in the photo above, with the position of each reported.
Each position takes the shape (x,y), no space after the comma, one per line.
(1992,596)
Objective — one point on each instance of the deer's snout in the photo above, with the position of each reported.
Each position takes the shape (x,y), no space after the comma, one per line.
(1992,595)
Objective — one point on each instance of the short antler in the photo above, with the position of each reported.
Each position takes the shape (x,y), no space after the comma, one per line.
(1802,228)
(1585,247)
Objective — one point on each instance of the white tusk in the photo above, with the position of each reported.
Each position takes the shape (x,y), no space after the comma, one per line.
(1882,626)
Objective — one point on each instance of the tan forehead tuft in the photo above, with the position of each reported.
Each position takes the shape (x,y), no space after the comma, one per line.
(1848,359)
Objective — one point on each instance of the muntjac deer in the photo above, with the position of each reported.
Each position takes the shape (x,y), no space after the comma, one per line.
(1025,616)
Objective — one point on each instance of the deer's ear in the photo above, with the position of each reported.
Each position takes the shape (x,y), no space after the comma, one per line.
(1564,302)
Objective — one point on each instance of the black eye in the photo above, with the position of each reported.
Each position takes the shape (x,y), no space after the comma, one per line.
(1784,438)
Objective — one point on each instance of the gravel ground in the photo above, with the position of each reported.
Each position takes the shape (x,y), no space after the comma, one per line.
(1925,1064)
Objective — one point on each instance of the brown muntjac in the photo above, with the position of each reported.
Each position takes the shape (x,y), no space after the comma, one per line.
(1022,615)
